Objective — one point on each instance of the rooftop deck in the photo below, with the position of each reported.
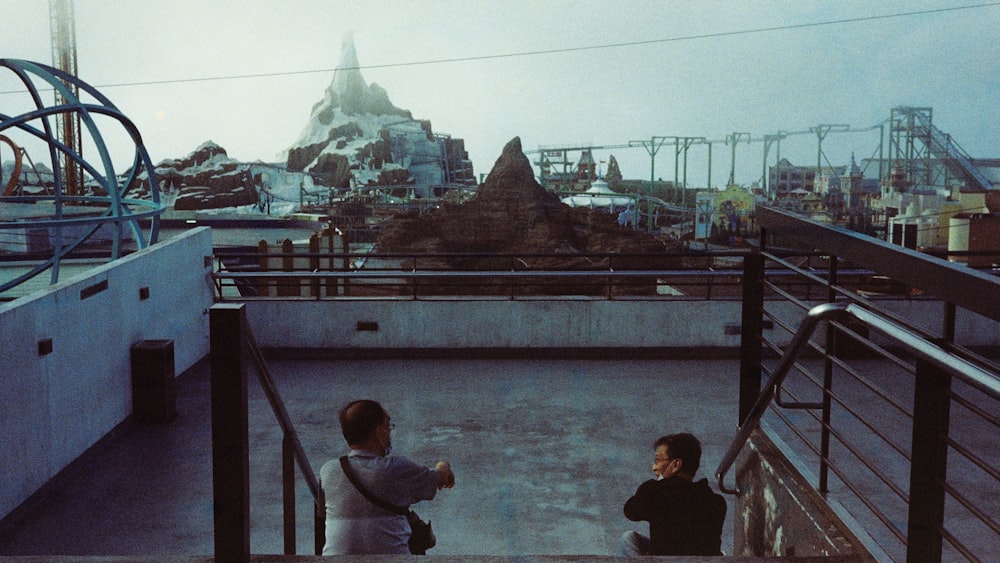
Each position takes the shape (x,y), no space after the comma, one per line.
(546,450)
(545,453)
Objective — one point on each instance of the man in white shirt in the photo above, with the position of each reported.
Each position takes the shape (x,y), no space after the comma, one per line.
(354,524)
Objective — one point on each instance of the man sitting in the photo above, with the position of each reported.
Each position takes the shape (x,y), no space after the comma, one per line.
(685,517)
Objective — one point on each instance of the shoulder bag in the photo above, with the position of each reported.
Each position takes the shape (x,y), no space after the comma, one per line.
(421,534)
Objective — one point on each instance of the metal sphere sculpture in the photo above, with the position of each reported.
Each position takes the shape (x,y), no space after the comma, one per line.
(105,201)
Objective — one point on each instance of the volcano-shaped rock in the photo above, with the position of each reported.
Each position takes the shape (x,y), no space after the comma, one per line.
(512,213)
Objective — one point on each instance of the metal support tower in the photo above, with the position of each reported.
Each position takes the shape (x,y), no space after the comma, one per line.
(904,150)
(652,146)
(765,177)
(821,132)
(63,30)
(927,155)
(734,139)
(682,144)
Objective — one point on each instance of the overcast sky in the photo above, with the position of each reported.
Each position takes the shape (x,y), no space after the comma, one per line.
(694,72)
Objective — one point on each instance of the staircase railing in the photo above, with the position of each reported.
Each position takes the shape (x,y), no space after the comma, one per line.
(292,454)
(232,343)
(905,425)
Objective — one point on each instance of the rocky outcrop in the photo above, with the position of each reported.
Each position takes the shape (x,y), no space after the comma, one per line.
(300,157)
(512,214)
(207,179)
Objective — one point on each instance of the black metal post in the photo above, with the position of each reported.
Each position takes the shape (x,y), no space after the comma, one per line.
(230,440)
(288,493)
(751,332)
(831,350)
(948,328)
(928,469)
(319,517)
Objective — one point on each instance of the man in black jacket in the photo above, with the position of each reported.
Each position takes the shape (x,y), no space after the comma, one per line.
(685,517)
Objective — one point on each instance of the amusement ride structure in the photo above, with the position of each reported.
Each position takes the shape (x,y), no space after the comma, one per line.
(83,196)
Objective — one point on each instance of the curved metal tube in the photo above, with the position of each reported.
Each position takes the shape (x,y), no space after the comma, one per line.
(913,343)
(119,209)
(798,343)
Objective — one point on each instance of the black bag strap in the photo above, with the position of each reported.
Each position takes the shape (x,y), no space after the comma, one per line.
(364,492)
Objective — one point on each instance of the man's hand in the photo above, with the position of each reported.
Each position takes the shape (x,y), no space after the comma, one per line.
(446,479)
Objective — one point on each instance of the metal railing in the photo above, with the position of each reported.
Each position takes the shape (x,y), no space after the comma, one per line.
(684,275)
(232,344)
(322,276)
(292,454)
(902,421)
(936,366)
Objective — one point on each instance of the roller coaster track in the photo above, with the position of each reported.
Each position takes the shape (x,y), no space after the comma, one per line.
(948,151)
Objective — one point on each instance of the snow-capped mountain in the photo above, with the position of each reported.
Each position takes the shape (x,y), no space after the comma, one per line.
(355,136)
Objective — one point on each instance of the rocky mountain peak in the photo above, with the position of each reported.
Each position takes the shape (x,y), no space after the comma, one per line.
(513,180)
(511,212)
(356,136)
(349,92)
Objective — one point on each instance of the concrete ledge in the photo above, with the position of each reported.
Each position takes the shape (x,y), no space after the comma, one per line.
(568,353)
(441,559)
(779,513)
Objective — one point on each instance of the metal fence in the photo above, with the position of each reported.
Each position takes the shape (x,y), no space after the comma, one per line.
(680,275)
(901,422)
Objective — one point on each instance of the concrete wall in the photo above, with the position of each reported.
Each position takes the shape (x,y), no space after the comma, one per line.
(779,514)
(56,405)
(565,323)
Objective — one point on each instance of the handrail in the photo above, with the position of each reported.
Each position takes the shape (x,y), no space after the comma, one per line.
(291,437)
(911,342)
(281,413)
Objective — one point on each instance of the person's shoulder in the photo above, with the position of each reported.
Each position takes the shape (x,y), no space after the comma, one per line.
(329,469)
(707,490)
(649,485)
(398,460)
(331,463)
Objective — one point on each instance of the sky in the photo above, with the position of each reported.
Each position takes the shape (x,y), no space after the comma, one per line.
(552,72)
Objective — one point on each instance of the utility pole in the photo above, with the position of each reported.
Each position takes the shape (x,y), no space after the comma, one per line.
(63,30)
(734,139)
(652,146)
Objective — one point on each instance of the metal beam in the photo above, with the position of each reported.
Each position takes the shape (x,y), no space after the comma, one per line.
(970,289)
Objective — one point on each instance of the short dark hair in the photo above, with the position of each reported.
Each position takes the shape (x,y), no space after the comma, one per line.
(683,446)
(359,419)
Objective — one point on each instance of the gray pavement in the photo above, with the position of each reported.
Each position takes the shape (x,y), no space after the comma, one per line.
(545,453)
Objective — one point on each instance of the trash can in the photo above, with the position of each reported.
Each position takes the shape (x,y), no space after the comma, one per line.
(154,390)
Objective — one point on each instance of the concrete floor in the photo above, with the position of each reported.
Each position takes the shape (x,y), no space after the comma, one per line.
(545,454)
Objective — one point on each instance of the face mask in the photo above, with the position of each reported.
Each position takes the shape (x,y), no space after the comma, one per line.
(386,447)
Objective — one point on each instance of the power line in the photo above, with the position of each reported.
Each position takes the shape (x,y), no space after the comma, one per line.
(714,35)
